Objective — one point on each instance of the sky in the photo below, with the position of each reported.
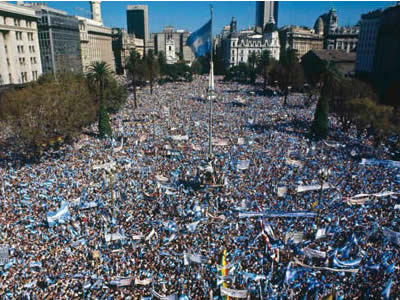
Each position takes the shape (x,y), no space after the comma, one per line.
(192,15)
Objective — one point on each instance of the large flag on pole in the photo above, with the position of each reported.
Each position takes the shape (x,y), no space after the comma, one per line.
(200,40)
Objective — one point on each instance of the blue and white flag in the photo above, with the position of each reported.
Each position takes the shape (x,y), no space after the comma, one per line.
(391,235)
(386,289)
(200,40)
(59,216)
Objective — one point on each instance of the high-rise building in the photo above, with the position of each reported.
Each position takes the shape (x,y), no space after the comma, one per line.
(369,28)
(19,45)
(266,11)
(386,67)
(59,41)
(138,21)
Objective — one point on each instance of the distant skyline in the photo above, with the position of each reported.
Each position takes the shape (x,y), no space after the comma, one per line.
(191,15)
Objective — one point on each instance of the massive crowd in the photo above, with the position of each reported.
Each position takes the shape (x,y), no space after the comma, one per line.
(151,214)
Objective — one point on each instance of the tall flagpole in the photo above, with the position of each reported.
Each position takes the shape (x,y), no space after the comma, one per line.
(211,95)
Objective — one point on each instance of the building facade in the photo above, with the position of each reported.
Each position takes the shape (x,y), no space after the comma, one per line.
(265,11)
(173,44)
(19,45)
(59,41)
(386,67)
(335,37)
(301,39)
(369,27)
(122,44)
(137,19)
(240,44)
(95,40)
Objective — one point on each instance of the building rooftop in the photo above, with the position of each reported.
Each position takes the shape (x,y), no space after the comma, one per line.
(37,6)
(335,55)
(16,9)
(134,7)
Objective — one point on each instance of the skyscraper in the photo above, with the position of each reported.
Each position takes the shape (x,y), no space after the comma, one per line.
(137,20)
(265,10)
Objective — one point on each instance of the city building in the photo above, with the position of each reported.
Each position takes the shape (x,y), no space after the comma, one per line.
(19,45)
(59,42)
(173,44)
(122,44)
(95,39)
(369,27)
(265,11)
(335,37)
(301,39)
(238,45)
(386,67)
(314,61)
(137,19)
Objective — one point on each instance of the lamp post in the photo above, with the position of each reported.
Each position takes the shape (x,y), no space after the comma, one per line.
(308,91)
(323,175)
(287,94)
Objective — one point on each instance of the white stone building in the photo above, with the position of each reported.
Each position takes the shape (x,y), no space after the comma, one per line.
(19,45)
(239,45)
(96,39)
(173,44)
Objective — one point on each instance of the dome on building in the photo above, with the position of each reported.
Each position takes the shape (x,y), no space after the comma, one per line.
(319,25)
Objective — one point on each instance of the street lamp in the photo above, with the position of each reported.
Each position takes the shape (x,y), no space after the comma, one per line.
(286,95)
(323,175)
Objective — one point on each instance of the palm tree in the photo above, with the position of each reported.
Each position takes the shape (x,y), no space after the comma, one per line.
(97,74)
(133,67)
(264,62)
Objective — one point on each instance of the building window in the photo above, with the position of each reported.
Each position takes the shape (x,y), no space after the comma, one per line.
(169,48)
(18,35)
(9,77)
(241,58)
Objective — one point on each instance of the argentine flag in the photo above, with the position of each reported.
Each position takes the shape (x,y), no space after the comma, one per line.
(200,40)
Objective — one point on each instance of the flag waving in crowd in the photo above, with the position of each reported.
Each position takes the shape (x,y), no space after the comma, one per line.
(200,40)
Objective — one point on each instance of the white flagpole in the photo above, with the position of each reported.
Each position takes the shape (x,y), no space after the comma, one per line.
(211,89)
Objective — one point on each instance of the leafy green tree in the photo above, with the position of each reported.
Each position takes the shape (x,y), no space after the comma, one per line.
(374,119)
(135,71)
(98,74)
(162,62)
(197,67)
(151,68)
(320,124)
(115,95)
(47,110)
